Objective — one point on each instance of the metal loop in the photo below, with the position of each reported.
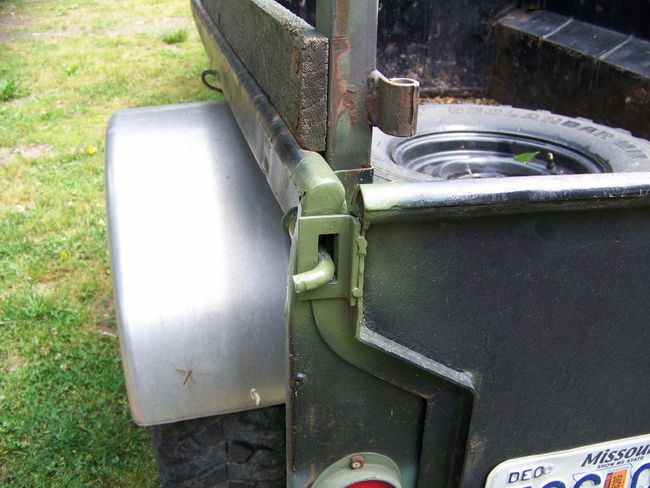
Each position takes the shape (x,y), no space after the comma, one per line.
(210,72)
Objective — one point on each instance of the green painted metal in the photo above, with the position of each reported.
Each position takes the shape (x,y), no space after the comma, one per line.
(351,26)
(364,466)
(336,309)
(331,305)
(339,231)
(322,192)
(351,180)
(316,368)
(390,202)
(316,277)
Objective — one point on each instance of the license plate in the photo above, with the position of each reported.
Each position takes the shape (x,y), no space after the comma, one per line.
(623,463)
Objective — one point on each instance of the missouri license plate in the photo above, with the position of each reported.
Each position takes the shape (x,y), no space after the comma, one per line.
(623,463)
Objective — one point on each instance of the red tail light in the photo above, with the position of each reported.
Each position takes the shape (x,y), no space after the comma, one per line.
(370,484)
(360,470)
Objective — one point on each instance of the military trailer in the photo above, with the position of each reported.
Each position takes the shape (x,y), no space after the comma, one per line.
(322,282)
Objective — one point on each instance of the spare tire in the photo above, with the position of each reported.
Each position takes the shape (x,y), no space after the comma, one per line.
(483,141)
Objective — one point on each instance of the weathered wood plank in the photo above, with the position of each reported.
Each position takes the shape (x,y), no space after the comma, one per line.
(286,56)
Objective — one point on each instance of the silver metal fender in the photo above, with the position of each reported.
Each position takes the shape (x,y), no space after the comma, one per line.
(199,264)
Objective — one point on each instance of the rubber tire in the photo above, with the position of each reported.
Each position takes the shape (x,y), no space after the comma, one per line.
(617,148)
(238,450)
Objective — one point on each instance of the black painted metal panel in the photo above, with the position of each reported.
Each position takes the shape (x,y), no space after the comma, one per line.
(629,16)
(549,310)
(545,60)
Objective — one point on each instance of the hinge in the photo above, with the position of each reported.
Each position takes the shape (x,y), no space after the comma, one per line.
(356,286)
(393,104)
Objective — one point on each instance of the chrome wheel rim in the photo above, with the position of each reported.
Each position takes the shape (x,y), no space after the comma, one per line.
(472,154)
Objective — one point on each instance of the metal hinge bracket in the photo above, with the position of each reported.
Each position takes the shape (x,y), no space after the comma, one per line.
(393,104)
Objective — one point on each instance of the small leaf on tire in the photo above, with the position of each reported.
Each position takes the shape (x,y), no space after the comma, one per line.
(526,157)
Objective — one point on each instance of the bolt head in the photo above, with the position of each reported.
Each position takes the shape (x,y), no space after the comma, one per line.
(357,462)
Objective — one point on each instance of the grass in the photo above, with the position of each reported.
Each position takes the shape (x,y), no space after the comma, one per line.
(10,89)
(176,36)
(65,66)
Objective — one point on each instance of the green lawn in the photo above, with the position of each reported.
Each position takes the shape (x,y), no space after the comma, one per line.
(65,66)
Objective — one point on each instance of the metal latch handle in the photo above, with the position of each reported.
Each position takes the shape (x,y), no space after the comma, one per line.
(321,274)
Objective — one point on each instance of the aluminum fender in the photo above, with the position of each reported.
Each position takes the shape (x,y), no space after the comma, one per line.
(199,263)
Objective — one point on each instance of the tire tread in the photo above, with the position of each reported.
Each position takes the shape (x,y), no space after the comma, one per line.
(238,450)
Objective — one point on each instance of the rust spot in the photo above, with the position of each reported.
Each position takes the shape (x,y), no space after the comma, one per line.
(349,100)
(642,94)
(342,16)
(187,375)
(474,445)
(357,461)
(342,99)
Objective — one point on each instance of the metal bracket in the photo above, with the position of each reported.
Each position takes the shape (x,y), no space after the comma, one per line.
(393,104)
(329,260)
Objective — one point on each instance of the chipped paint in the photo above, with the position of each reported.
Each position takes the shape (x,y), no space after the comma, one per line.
(255,396)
